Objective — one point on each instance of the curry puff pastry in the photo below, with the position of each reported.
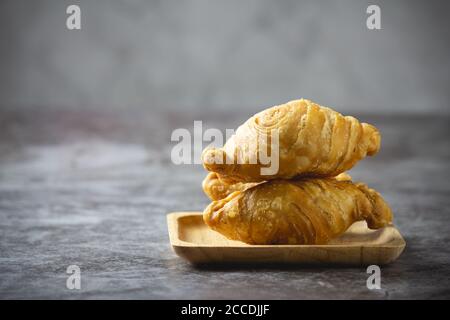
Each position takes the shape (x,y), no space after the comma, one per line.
(310,211)
(217,188)
(312,141)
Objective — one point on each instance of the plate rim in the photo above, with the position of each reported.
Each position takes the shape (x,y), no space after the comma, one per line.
(175,241)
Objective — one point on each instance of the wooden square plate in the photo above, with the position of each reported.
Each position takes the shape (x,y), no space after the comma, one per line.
(194,241)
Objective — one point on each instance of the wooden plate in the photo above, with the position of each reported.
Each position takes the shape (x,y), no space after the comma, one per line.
(194,241)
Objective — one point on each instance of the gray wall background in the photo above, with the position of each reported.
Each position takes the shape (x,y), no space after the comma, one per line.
(225,55)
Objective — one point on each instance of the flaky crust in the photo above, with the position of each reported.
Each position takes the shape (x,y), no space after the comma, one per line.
(311,211)
(216,188)
(313,141)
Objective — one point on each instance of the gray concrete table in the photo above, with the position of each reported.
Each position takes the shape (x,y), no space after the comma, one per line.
(93,190)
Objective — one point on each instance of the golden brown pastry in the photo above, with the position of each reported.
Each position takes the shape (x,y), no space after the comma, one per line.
(216,188)
(311,211)
(344,176)
(312,141)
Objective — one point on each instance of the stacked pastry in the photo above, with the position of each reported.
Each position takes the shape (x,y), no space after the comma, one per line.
(309,199)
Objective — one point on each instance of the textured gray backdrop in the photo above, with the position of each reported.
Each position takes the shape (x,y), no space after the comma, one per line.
(225,55)
(86,117)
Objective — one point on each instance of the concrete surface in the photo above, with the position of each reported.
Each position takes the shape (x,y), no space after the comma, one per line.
(93,189)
